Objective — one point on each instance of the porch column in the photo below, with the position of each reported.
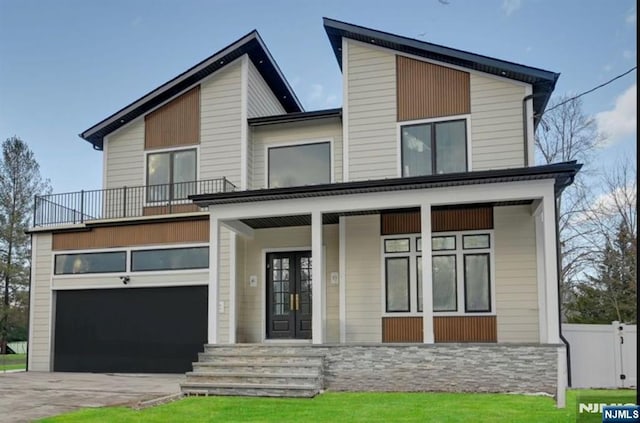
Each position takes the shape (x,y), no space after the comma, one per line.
(232,287)
(214,277)
(342,267)
(427,282)
(317,274)
(551,266)
(540,271)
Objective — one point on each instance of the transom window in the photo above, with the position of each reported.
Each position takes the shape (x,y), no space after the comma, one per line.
(434,148)
(297,165)
(171,175)
(461,272)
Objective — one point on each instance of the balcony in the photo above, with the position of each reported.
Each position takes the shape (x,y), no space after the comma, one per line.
(126,202)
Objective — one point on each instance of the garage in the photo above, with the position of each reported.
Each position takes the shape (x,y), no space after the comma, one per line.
(129,330)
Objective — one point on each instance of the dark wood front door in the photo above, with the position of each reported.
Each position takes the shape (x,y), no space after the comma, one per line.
(289,295)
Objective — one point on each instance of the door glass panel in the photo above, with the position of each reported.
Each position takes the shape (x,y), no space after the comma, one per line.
(444,283)
(184,174)
(416,150)
(305,286)
(451,153)
(158,176)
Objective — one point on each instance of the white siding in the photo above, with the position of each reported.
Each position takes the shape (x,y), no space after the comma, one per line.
(261,101)
(317,130)
(125,156)
(251,300)
(496,123)
(515,274)
(220,124)
(223,287)
(41,317)
(362,284)
(138,280)
(371,85)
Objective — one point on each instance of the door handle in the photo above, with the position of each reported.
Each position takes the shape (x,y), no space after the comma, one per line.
(297,302)
(292,304)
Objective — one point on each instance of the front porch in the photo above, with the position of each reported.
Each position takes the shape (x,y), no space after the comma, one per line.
(493,233)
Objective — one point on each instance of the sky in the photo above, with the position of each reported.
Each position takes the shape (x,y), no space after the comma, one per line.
(67,64)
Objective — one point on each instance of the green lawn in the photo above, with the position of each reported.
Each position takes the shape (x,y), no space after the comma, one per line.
(346,407)
(13,361)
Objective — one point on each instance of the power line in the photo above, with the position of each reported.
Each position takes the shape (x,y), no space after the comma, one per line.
(591,90)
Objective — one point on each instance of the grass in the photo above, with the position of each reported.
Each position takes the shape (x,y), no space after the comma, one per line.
(13,362)
(348,407)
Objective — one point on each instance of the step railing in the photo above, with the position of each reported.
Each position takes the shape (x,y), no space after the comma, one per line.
(117,203)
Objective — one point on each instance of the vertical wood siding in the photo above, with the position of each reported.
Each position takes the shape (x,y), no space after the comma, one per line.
(174,124)
(139,234)
(465,329)
(443,220)
(445,328)
(426,90)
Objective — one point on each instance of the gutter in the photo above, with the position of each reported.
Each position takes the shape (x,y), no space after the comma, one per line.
(559,267)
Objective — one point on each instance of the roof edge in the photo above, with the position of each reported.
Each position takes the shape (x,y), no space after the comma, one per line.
(295,117)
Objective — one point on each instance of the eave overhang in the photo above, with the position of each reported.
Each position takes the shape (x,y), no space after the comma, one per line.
(562,173)
(542,81)
(251,44)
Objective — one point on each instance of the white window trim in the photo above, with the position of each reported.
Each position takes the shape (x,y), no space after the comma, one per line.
(128,271)
(399,125)
(330,140)
(459,252)
(168,150)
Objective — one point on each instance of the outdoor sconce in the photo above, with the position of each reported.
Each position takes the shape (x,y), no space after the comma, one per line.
(124,279)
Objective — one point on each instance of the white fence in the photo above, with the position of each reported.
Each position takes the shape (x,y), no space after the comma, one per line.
(602,356)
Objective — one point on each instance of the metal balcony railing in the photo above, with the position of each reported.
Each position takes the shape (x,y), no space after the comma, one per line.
(117,203)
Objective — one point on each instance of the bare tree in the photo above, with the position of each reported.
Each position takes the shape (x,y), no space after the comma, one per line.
(20,181)
(566,133)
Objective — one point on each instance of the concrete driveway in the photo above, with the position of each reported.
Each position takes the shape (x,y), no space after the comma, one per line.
(26,396)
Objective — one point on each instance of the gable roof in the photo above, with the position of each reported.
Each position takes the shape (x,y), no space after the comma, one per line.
(543,81)
(250,44)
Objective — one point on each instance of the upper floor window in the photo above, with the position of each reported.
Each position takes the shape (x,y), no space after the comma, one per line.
(297,165)
(434,148)
(171,175)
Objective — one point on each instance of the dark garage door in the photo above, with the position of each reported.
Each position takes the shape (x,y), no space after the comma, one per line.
(131,330)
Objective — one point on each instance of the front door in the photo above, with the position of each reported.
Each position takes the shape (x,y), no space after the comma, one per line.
(289,295)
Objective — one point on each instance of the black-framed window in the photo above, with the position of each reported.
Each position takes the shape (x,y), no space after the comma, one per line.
(434,148)
(477,285)
(476,241)
(300,164)
(397,284)
(103,262)
(397,245)
(171,175)
(170,259)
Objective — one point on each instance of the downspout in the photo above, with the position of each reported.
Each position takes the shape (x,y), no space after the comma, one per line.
(559,268)
(525,125)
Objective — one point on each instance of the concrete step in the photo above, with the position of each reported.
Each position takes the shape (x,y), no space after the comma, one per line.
(248,389)
(261,358)
(254,378)
(280,348)
(263,368)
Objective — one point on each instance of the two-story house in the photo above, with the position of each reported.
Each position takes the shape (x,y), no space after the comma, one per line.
(405,241)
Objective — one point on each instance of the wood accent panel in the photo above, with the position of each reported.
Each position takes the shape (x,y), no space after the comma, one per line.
(174,124)
(402,329)
(465,329)
(135,234)
(463,219)
(177,208)
(425,90)
(445,328)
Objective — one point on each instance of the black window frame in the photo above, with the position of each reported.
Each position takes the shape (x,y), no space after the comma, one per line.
(170,184)
(397,239)
(122,252)
(455,291)
(432,130)
(133,252)
(386,284)
(477,248)
(464,281)
(302,144)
